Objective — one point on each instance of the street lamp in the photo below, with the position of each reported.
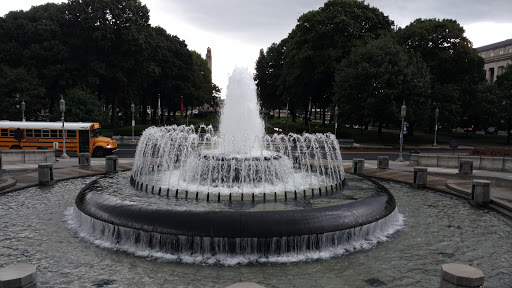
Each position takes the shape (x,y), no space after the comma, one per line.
(436,113)
(133,121)
(402,114)
(335,120)
(287,101)
(23,111)
(62,105)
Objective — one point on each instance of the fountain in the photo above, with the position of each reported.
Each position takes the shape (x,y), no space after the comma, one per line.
(238,193)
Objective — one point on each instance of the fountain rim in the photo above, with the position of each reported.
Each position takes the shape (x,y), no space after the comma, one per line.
(236,224)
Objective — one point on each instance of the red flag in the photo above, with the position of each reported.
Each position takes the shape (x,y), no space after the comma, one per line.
(181,105)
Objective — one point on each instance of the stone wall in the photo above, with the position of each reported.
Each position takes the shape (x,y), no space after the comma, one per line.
(27,156)
(452,161)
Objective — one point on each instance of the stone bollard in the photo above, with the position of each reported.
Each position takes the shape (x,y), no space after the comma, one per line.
(111,163)
(45,174)
(458,275)
(357,166)
(84,159)
(465,168)
(18,275)
(480,192)
(420,177)
(383,162)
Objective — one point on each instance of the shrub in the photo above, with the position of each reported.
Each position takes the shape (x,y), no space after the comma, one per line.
(492,151)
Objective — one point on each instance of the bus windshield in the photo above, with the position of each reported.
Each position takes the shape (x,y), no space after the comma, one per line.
(95,133)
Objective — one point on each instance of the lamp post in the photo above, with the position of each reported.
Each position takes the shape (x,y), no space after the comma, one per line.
(335,120)
(436,113)
(402,114)
(133,122)
(23,111)
(62,105)
(287,101)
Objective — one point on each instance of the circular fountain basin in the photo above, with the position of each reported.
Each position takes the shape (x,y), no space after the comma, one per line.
(291,228)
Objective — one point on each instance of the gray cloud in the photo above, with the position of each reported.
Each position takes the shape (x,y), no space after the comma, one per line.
(464,11)
(265,21)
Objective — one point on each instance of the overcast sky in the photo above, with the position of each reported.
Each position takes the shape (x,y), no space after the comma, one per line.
(237,29)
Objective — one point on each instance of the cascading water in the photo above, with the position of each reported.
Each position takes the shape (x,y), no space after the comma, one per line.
(241,158)
(235,194)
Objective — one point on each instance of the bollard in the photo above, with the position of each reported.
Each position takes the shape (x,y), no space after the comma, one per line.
(45,174)
(480,192)
(383,162)
(460,275)
(18,275)
(84,159)
(357,166)
(420,177)
(465,168)
(111,163)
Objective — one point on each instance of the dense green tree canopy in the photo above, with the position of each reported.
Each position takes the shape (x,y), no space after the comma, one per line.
(323,38)
(102,55)
(456,68)
(504,99)
(374,81)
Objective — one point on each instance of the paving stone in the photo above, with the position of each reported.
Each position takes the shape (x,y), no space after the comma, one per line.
(462,275)
(18,275)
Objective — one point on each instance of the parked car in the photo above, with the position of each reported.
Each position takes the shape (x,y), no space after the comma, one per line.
(492,131)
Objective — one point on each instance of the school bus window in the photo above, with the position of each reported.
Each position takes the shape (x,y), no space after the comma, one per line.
(71,134)
(37,133)
(11,132)
(4,133)
(54,133)
(46,133)
(29,133)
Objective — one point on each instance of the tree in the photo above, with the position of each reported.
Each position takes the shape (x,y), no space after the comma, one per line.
(110,31)
(504,84)
(269,68)
(321,39)
(372,83)
(18,85)
(454,65)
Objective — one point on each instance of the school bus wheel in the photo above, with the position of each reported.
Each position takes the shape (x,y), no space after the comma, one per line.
(99,152)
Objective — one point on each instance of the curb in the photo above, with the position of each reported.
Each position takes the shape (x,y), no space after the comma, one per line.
(10,182)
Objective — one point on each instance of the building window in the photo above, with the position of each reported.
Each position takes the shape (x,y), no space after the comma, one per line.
(509,50)
(501,52)
(491,54)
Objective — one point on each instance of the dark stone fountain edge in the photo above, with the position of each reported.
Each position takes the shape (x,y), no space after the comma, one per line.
(235,224)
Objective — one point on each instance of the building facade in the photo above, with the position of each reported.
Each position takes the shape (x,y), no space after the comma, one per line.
(496,56)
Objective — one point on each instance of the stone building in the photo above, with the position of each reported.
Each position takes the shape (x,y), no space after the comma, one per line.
(496,56)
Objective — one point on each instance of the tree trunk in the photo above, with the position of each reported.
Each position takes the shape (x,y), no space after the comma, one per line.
(379,131)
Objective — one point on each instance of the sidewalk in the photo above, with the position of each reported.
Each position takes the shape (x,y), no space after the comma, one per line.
(446,180)
(21,176)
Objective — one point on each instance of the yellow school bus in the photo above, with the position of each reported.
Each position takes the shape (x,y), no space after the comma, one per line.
(80,137)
